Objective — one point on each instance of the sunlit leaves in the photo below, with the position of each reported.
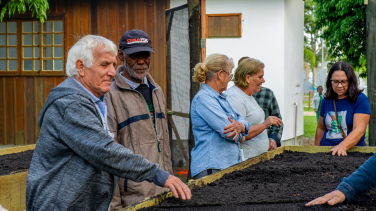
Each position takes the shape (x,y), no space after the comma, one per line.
(37,7)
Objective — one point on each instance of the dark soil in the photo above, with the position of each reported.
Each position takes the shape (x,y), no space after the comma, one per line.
(15,162)
(286,182)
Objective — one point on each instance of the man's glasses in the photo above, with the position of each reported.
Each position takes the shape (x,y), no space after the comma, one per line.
(229,75)
(337,82)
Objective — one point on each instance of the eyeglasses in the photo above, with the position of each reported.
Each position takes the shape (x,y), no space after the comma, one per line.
(337,82)
(230,75)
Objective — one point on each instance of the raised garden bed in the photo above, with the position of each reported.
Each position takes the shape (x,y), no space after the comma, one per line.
(14,164)
(285,182)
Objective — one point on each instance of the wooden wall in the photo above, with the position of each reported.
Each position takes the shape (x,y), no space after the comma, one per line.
(22,97)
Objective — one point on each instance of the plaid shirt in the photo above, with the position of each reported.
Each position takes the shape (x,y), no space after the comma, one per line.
(267,101)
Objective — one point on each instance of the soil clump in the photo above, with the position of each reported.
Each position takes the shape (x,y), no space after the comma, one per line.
(15,162)
(286,182)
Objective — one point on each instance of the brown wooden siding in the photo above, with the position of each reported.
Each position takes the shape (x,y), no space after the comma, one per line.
(22,100)
(22,97)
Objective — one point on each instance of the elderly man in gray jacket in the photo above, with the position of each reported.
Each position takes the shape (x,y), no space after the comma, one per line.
(76,160)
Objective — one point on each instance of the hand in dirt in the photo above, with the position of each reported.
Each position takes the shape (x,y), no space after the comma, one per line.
(272,120)
(234,128)
(272,144)
(177,188)
(241,141)
(339,150)
(331,198)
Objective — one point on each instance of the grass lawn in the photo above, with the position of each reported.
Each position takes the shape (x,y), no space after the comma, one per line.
(310,125)
(306,109)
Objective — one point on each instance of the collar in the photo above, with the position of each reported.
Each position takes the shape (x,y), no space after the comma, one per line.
(133,85)
(212,92)
(91,95)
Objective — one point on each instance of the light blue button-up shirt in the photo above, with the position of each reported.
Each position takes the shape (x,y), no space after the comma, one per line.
(209,114)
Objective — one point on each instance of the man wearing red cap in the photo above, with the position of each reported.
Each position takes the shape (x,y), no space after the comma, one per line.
(136,115)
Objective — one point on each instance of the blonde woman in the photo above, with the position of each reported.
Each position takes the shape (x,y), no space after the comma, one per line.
(217,128)
(248,79)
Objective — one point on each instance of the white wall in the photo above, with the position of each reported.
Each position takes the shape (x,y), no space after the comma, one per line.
(272,31)
(293,53)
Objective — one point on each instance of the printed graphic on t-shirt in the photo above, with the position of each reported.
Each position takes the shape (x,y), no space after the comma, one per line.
(331,124)
(151,109)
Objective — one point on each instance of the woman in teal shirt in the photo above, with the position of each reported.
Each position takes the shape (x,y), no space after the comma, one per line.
(316,102)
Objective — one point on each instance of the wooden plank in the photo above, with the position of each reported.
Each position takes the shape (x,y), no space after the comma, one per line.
(240,25)
(2,114)
(121,20)
(38,94)
(9,126)
(160,75)
(19,108)
(48,85)
(194,14)
(149,16)
(211,32)
(235,26)
(76,20)
(178,113)
(112,26)
(204,29)
(140,14)
(16,150)
(217,26)
(68,28)
(371,67)
(93,17)
(223,29)
(131,14)
(58,80)
(85,11)
(102,18)
(13,191)
(29,114)
(149,10)
(52,6)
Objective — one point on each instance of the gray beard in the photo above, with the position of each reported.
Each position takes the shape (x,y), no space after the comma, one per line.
(128,69)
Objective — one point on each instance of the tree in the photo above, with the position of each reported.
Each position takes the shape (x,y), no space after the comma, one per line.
(39,7)
(343,23)
(312,45)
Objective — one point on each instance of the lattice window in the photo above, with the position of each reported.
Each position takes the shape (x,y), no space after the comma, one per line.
(224,25)
(30,47)
(8,46)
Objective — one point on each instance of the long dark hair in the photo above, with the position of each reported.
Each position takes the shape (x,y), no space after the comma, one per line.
(353,91)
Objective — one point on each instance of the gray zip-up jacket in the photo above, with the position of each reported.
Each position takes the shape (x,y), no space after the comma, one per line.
(75,159)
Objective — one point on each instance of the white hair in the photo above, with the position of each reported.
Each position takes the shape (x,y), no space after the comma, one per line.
(84,48)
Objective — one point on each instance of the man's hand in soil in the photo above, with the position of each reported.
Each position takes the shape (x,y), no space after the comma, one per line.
(177,187)
(235,128)
(331,198)
(340,150)
(272,144)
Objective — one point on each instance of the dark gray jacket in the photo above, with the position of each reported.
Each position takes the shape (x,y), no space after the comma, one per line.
(75,159)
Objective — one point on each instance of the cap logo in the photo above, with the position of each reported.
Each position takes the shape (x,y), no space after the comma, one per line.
(137,40)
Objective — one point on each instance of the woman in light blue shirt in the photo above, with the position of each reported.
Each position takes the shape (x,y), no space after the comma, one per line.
(217,128)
